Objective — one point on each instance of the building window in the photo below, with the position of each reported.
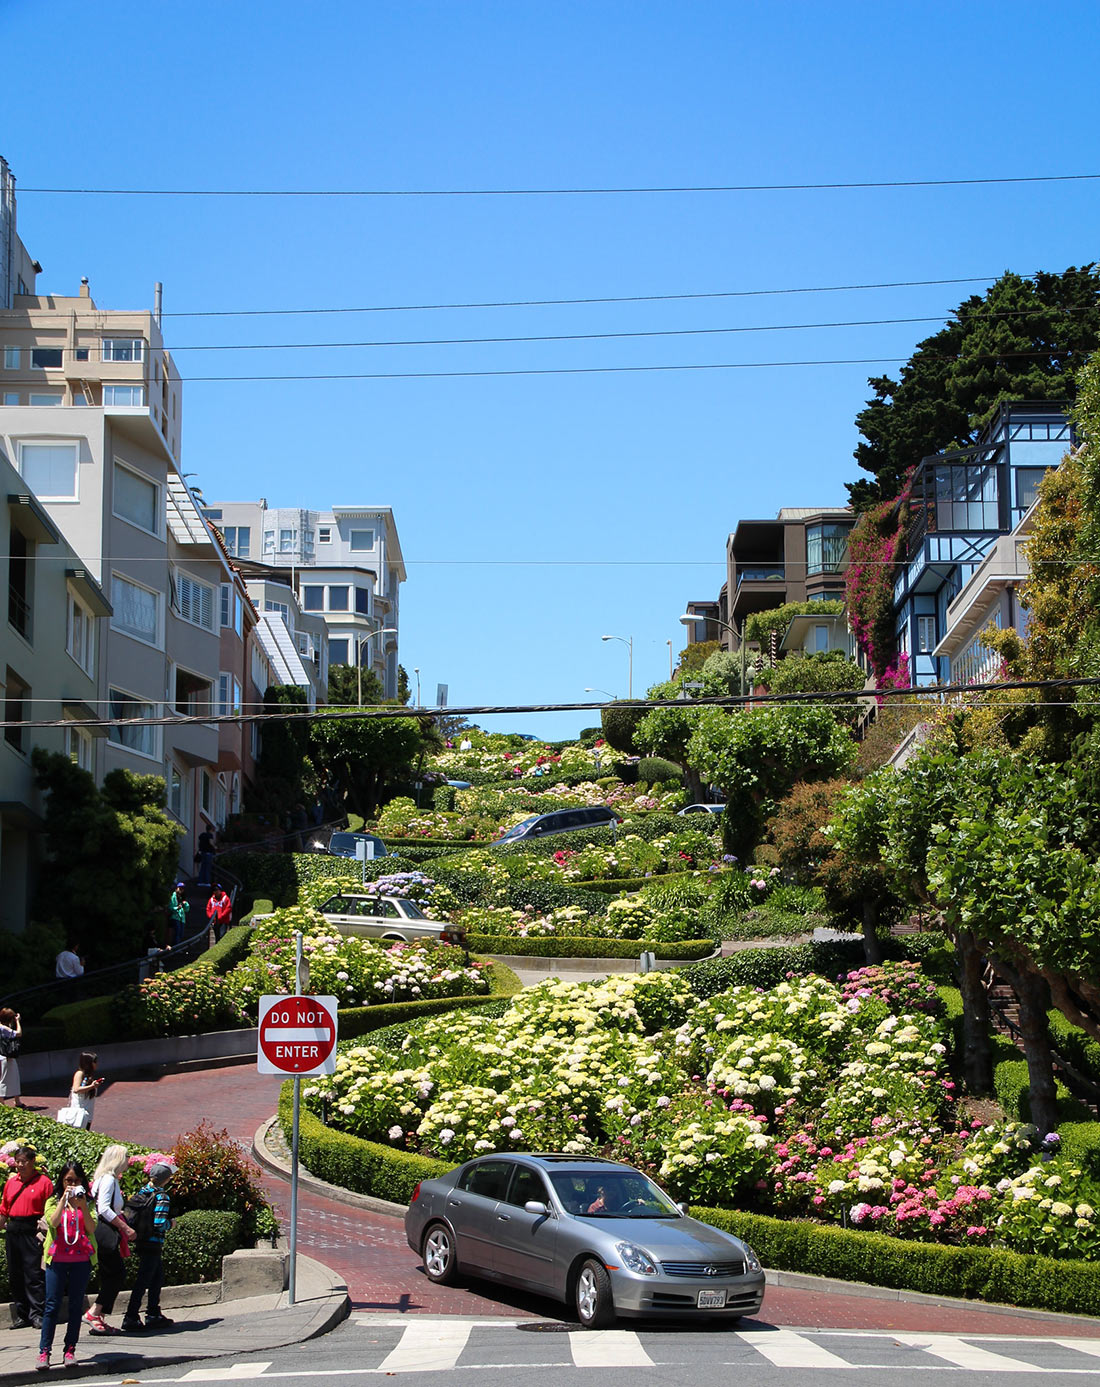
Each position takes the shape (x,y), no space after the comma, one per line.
(133,735)
(238,538)
(46,358)
(11,358)
(49,469)
(288,541)
(20,572)
(313,598)
(269,541)
(826,546)
(206,792)
(179,794)
(137,500)
(232,608)
(282,608)
(219,801)
(361,539)
(338,599)
(821,639)
(338,652)
(192,695)
(16,698)
(11,397)
(324,534)
(136,610)
(124,394)
(362,601)
(80,635)
(194,601)
(79,747)
(926,634)
(81,353)
(1027,485)
(123,348)
(229,696)
(45,397)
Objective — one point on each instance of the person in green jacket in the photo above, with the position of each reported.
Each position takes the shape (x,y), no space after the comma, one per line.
(178,906)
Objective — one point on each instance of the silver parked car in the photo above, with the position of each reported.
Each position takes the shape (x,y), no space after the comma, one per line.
(595,1234)
(386,917)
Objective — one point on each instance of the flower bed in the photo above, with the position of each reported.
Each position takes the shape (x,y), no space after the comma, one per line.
(801,1098)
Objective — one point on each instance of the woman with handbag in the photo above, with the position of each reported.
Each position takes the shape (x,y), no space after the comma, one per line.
(69,1257)
(82,1098)
(113,1236)
(11,1038)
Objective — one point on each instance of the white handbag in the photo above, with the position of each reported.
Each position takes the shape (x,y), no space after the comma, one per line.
(74,1117)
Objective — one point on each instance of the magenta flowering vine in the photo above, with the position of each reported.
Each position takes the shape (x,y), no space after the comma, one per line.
(874,548)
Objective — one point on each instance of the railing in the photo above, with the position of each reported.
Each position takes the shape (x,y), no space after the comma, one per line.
(760,573)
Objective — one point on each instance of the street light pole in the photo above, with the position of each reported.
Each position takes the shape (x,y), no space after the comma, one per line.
(690,618)
(628,641)
(416,671)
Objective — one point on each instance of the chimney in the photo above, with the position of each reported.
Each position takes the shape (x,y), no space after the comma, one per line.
(85,291)
(158,299)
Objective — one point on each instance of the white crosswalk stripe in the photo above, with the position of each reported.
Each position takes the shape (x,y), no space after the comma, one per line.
(427,1347)
(608,1348)
(786,1349)
(965,1354)
(238,1372)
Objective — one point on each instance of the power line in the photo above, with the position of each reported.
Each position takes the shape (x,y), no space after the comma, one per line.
(561,303)
(573,191)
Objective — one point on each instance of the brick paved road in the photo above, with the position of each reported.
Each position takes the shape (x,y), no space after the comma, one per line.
(369,1250)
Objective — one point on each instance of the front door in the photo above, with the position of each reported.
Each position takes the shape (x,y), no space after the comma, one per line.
(526,1242)
(471,1208)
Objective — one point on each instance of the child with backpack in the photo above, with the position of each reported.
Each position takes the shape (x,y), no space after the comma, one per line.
(147,1214)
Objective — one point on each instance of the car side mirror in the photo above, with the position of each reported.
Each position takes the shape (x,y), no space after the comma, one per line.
(683,1209)
(536,1206)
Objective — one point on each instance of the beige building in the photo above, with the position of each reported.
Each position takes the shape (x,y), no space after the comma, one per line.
(50,661)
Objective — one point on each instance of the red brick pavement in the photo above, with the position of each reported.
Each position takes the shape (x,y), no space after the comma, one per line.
(368,1250)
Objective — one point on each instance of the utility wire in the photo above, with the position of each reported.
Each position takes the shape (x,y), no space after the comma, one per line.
(565,303)
(570,192)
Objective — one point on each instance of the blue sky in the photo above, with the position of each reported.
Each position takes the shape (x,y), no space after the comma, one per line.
(538,513)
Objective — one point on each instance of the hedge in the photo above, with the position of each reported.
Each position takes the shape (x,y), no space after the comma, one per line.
(972,1273)
(357,1021)
(1012,1090)
(1075,1046)
(564,946)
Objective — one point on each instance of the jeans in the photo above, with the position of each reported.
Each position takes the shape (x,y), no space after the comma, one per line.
(149,1278)
(64,1278)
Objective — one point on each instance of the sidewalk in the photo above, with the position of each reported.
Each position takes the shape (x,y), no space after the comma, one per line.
(203,1328)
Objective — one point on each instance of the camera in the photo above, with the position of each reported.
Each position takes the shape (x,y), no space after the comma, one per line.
(76,1191)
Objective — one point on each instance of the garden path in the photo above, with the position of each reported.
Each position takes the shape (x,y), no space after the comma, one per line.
(368,1250)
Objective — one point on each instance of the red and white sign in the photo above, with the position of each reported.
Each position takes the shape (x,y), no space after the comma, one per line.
(296,1035)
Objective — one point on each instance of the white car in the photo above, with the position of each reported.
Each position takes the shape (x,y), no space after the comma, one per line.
(714,809)
(386,917)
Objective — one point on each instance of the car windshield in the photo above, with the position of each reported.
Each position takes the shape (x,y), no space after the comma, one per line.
(611,1194)
(519,828)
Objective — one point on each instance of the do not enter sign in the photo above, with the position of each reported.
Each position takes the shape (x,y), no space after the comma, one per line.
(297,1035)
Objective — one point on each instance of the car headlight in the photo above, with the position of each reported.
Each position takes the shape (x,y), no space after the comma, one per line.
(636,1259)
(752,1261)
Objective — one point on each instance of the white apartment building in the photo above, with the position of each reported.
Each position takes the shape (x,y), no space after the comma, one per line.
(346,567)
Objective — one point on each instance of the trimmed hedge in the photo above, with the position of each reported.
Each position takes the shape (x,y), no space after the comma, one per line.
(357,1021)
(1012,1089)
(564,946)
(1075,1046)
(972,1273)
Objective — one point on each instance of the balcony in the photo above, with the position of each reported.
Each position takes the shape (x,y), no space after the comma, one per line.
(761,573)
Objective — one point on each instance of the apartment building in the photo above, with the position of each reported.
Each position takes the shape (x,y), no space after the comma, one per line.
(50,660)
(17,269)
(961,502)
(345,566)
(291,646)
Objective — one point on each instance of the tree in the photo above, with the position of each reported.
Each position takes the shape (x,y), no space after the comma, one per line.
(824,672)
(358,756)
(1025,339)
(694,656)
(756,755)
(282,766)
(113,852)
(667,732)
(349,687)
(618,723)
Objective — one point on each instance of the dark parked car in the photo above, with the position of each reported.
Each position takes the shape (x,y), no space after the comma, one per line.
(344,845)
(595,1234)
(560,821)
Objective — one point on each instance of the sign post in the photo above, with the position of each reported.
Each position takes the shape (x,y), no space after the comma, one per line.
(296,1036)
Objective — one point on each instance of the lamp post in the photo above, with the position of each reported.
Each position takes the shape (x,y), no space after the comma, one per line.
(611,696)
(360,642)
(670,671)
(628,641)
(690,619)
(416,671)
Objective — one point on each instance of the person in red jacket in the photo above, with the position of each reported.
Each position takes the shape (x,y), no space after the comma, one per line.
(219,910)
(21,1206)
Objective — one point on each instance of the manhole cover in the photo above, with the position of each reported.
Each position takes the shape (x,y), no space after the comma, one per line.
(540,1327)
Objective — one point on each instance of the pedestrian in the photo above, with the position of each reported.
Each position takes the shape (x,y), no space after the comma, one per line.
(219,910)
(150,1223)
(204,856)
(22,1204)
(86,1084)
(113,1236)
(69,1258)
(11,1038)
(68,963)
(178,908)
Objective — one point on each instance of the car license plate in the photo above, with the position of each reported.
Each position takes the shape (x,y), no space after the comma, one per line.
(711,1300)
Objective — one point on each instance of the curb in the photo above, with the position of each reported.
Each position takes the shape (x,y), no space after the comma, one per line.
(793,1280)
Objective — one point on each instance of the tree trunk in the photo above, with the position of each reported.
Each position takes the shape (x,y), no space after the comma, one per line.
(1031,992)
(872,944)
(694,783)
(977,1066)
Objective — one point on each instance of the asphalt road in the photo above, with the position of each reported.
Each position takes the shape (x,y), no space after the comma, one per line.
(427,1352)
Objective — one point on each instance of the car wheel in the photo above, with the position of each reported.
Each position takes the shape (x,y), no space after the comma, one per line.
(592,1296)
(438,1252)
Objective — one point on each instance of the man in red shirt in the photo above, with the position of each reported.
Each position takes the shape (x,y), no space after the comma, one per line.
(21,1206)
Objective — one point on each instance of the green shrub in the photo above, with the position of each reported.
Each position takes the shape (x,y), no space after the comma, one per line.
(228,951)
(768,922)
(1081,1142)
(828,958)
(196,1244)
(214,1174)
(655,769)
(561,946)
(443,799)
(1013,1091)
(1075,1046)
(94,1021)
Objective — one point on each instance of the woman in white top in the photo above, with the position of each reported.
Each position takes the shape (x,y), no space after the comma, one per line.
(111,1227)
(11,1035)
(85,1086)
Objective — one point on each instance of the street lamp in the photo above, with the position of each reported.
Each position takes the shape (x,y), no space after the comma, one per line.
(628,641)
(416,671)
(611,696)
(360,642)
(690,619)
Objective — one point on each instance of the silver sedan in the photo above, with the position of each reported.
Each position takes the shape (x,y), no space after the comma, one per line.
(596,1234)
